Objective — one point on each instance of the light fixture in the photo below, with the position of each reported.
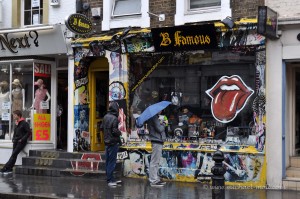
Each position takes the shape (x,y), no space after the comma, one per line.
(161,17)
(228,22)
(96,12)
(26,29)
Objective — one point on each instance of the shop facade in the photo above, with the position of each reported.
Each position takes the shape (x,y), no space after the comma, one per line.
(29,60)
(215,80)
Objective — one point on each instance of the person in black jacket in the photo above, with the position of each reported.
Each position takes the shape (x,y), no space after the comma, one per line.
(112,141)
(21,133)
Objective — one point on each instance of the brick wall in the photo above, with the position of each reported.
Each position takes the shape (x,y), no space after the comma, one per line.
(245,8)
(97,25)
(167,7)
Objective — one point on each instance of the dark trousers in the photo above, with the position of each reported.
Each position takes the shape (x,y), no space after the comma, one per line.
(111,161)
(17,148)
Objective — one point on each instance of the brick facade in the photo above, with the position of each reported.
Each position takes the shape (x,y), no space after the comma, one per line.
(245,8)
(240,9)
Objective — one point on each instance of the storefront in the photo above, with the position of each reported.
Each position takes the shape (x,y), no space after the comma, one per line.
(28,62)
(215,81)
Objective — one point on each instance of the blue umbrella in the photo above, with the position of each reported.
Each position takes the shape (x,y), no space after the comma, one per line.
(151,111)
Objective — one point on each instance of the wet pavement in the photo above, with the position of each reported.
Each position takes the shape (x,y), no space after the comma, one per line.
(39,187)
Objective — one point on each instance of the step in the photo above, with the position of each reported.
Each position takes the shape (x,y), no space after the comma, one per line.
(57,172)
(295,161)
(67,163)
(293,172)
(66,155)
(291,183)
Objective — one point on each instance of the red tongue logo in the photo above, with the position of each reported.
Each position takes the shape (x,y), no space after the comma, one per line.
(229,96)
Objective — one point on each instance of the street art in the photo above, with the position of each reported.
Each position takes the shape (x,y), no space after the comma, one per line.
(259,103)
(195,166)
(88,161)
(81,141)
(229,96)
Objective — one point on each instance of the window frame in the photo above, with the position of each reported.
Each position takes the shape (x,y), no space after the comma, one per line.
(124,15)
(40,8)
(201,9)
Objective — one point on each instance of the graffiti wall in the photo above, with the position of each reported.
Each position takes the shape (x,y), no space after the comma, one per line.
(195,166)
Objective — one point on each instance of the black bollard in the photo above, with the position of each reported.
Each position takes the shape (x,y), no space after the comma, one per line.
(218,180)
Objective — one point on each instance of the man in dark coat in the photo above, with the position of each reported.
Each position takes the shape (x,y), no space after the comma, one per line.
(112,141)
(21,133)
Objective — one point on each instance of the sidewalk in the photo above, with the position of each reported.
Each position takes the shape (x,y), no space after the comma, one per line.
(16,186)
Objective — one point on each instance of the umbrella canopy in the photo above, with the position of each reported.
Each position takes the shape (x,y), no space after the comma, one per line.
(151,111)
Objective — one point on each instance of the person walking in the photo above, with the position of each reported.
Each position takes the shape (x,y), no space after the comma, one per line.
(157,136)
(21,133)
(112,141)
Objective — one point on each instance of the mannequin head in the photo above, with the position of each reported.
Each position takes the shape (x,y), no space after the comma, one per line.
(4,86)
(39,83)
(16,83)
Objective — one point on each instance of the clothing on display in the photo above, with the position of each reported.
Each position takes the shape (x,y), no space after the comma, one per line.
(18,96)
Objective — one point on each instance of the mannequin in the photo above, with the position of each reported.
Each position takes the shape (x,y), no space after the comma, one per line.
(40,95)
(4,97)
(18,96)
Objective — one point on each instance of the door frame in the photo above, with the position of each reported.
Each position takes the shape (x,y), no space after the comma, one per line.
(98,65)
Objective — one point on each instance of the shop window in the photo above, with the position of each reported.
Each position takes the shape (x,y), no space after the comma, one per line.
(198,4)
(25,86)
(211,93)
(16,94)
(126,7)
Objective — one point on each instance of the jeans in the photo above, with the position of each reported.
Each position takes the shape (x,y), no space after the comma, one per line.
(17,148)
(154,162)
(111,161)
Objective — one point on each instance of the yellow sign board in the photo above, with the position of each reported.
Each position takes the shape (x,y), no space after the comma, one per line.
(41,127)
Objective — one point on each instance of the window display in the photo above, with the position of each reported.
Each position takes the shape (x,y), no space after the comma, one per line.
(210,94)
(17,93)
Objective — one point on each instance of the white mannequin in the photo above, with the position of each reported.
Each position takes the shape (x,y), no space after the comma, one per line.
(18,96)
(4,97)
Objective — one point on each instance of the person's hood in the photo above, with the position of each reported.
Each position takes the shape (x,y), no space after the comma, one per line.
(114,108)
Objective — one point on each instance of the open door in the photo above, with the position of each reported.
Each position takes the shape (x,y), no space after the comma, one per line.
(98,98)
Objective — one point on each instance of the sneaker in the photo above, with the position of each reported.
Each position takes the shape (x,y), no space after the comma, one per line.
(156,184)
(8,171)
(3,170)
(162,182)
(112,184)
(118,181)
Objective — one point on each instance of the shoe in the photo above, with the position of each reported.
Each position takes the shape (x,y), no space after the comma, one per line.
(3,170)
(156,184)
(7,171)
(118,181)
(162,182)
(112,184)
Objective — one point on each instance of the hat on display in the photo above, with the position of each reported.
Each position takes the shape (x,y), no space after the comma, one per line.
(39,82)
(4,83)
(17,82)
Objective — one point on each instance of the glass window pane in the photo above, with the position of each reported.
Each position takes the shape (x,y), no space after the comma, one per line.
(194,4)
(27,18)
(4,101)
(189,81)
(27,4)
(125,7)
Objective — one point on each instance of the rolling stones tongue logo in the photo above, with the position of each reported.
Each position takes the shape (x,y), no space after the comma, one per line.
(229,96)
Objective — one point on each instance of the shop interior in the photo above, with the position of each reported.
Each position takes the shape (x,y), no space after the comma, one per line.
(185,79)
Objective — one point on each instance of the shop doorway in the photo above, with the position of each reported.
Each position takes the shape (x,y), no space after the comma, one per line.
(62,109)
(98,99)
